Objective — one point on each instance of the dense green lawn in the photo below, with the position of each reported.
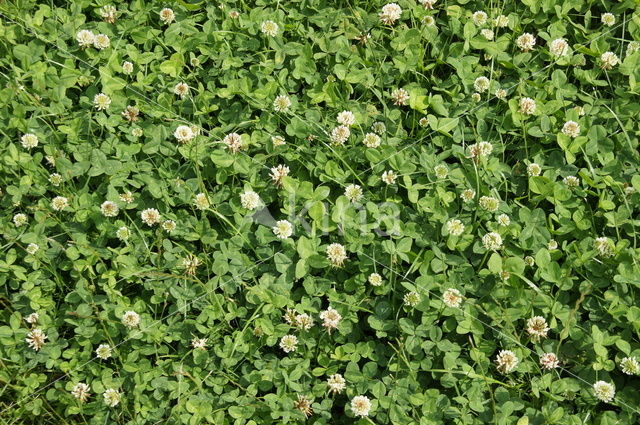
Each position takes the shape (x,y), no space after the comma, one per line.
(326,212)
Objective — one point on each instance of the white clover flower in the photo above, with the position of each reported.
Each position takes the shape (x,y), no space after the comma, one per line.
(127,67)
(131,113)
(101,101)
(360,405)
(103,351)
(526,42)
(476,97)
(283,229)
(278,141)
(492,241)
(604,246)
(199,343)
(534,170)
(400,97)
(32,319)
(20,219)
(330,318)
(123,233)
(389,177)
(127,197)
(633,47)
(375,279)
(480,150)
(336,383)
(452,298)
(340,134)
(190,263)
(59,203)
(489,203)
(609,60)
(55,179)
(201,201)
(481,84)
(428,4)
(467,195)
(111,397)
(81,391)
(390,13)
(580,110)
(233,142)
(250,200)
(167,16)
(136,132)
(109,209)
(130,319)
(455,227)
(552,244)
(608,19)
(527,106)
(423,122)
(353,192)
(278,173)
(336,253)
(303,404)
(169,226)
(281,103)
(269,28)
(504,220)
(549,361)
(571,181)
(234,14)
(501,21)
(85,38)
(29,141)
(604,391)
(571,129)
(109,13)
(101,41)
(150,216)
(411,299)
(289,343)
(537,328)
(184,134)
(36,338)
(529,261)
(479,18)
(441,171)
(303,322)
(506,361)
(501,94)
(559,47)
(378,128)
(346,118)
(371,140)
(290,316)
(429,21)
(487,34)
(630,366)
(485,149)
(32,248)
(181,89)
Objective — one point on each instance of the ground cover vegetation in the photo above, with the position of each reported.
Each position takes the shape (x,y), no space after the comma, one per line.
(323,212)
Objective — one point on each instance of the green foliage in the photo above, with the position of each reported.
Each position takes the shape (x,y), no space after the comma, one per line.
(478,185)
